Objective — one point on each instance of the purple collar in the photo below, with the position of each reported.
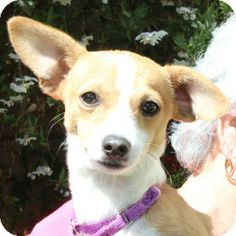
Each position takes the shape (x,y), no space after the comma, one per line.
(112,225)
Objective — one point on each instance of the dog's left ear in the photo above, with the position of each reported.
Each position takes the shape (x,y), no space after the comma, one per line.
(196,96)
(48,52)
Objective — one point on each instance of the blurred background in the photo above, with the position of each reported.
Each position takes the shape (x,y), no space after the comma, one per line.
(33,175)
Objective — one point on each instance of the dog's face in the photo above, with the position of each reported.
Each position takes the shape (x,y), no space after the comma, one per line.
(117,103)
(118,108)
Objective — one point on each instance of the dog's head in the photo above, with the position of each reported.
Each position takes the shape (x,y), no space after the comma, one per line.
(117,103)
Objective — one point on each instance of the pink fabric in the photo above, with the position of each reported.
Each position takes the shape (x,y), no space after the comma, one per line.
(56,224)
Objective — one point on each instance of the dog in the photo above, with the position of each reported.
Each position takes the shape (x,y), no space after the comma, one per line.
(117,107)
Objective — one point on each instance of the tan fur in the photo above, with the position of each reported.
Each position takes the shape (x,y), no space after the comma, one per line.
(66,70)
(169,213)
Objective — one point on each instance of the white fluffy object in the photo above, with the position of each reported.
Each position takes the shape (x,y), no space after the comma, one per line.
(219,61)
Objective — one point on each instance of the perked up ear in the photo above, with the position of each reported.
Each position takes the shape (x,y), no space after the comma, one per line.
(196,96)
(48,52)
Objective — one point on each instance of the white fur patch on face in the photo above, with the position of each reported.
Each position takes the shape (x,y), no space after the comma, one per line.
(126,76)
(121,122)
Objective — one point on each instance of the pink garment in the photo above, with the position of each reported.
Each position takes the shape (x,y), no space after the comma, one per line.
(56,224)
(62,222)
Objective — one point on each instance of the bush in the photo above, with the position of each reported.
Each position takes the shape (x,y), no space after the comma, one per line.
(33,176)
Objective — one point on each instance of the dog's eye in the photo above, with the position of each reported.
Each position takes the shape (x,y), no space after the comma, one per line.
(149,108)
(90,99)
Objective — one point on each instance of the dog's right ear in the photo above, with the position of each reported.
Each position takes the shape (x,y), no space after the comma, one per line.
(48,52)
(196,97)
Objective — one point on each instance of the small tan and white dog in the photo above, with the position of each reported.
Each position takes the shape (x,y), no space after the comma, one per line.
(117,107)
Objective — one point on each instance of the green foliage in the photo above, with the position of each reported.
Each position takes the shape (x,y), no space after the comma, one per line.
(31,130)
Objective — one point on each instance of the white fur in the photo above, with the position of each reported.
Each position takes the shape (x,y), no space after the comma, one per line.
(192,147)
(218,63)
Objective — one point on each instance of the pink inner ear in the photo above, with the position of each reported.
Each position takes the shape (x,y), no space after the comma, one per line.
(183,101)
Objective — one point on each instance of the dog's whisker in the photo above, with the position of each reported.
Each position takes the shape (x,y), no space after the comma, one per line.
(57,116)
(63,144)
(53,125)
(50,129)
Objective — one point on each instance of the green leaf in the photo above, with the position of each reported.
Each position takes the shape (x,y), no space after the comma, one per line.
(62,177)
(141,11)
(181,41)
(51,102)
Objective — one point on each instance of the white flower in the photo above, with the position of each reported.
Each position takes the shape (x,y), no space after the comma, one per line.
(181,62)
(26,140)
(14,57)
(21,3)
(182,54)
(26,78)
(8,103)
(17,98)
(3,110)
(63,2)
(186,16)
(104,1)
(66,194)
(183,10)
(151,38)
(167,3)
(192,16)
(23,84)
(188,13)
(43,170)
(33,177)
(85,39)
(18,88)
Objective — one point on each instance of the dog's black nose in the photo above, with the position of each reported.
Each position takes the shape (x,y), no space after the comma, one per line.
(115,147)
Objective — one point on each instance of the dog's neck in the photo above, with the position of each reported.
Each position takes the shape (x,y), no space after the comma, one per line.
(96,195)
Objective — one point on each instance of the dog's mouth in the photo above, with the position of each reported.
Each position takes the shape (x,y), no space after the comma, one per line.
(112,164)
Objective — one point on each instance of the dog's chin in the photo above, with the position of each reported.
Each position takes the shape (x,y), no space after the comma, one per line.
(112,168)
